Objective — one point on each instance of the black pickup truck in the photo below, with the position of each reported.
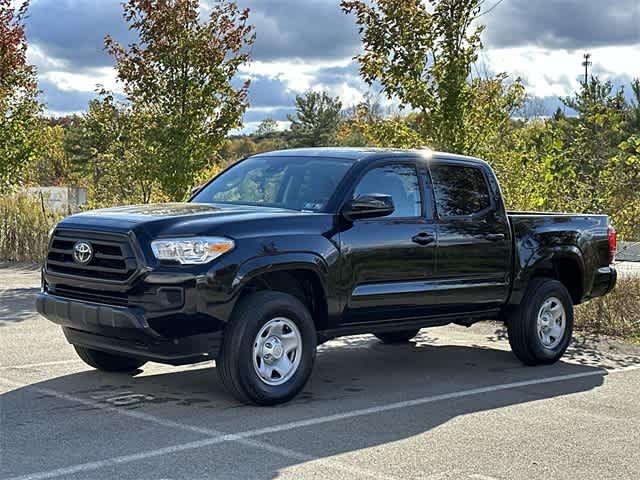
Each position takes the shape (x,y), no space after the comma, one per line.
(288,249)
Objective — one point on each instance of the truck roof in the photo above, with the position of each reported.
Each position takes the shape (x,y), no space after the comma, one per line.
(364,153)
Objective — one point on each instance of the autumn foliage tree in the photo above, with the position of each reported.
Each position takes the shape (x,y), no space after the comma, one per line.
(178,77)
(18,95)
(421,53)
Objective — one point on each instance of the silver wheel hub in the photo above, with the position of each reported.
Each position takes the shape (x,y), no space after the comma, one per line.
(552,322)
(272,350)
(277,351)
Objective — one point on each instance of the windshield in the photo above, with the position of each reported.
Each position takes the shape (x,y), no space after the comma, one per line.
(297,183)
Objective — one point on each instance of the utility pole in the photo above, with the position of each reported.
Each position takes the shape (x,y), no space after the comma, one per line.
(586,64)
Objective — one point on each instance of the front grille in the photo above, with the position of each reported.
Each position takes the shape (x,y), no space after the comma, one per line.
(113,257)
(88,295)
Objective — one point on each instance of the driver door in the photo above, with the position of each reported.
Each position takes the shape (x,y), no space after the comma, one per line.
(387,260)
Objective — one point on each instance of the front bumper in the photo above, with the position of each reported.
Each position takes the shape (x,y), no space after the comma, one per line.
(125,331)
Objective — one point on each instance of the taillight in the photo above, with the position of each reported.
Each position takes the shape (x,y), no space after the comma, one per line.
(612,243)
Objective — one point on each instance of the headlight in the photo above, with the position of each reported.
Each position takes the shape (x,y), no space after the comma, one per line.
(190,251)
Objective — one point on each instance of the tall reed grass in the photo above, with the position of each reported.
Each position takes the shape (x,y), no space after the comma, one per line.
(24,226)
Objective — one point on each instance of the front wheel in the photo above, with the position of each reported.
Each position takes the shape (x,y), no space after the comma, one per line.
(540,328)
(108,362)
(268,349)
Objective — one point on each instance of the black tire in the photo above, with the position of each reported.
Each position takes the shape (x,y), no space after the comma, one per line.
(400,336)
(108,362)
(522,325)
(235,363)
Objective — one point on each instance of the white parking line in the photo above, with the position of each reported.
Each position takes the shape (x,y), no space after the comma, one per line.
(41,364)
(109,408)
(111,462)
(216,437)
(245,436)
(114,461)
(416,402)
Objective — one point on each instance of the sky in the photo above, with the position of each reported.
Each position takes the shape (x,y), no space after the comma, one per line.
(310,44)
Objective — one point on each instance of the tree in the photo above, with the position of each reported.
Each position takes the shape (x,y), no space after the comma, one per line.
(365,126)
(51,163)
(107,149)
(423,58)
(267,127)
(486,117)
(18,91)
(532,167)
(316,119)
(354,129)
(594,137)
(634,113)
(238,147)
(179,77)
(621,179)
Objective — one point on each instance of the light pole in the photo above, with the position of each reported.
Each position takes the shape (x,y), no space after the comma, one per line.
(586,64)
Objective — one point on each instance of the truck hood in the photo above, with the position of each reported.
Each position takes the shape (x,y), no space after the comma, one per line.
(143,213)
(173,218)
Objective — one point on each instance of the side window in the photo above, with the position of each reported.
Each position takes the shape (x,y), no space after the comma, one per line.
(459,190)
(399,181)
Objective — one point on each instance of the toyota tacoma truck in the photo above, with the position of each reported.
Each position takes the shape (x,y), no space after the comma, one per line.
(288,249)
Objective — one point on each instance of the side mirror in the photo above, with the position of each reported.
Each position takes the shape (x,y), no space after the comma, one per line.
(368,206)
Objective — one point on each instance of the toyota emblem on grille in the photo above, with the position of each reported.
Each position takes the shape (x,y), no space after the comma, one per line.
(82,252)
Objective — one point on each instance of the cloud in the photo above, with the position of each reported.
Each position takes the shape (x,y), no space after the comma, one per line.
(566,24)
(310,44)
(558,72)
(271,92)
(72,31)
(256,115)
(348,74)
(303,29)
(61,102)
(86,81)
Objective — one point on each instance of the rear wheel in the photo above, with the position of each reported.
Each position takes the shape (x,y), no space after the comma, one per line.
(540,328)
(400,336)
(268,348)
(108,362)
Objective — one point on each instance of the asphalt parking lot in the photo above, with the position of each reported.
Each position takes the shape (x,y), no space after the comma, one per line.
(454,404)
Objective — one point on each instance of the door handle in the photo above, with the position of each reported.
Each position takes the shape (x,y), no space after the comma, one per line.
(423,238)
(494,237)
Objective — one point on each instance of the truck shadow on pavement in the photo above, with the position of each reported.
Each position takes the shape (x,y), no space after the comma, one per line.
(18,291)
(351,374)
(591,349)
(17,304)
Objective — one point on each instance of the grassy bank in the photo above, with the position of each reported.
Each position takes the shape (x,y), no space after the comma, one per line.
(616,314)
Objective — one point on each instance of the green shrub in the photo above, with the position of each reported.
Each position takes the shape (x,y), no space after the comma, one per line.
(24,227)
(616,314)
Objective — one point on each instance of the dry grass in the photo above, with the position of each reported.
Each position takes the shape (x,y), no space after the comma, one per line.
(23,229)
(616,314)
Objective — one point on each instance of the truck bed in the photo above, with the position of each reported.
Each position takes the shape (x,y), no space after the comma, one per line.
(563,237)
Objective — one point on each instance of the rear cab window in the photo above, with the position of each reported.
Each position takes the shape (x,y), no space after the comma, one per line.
(459,190)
